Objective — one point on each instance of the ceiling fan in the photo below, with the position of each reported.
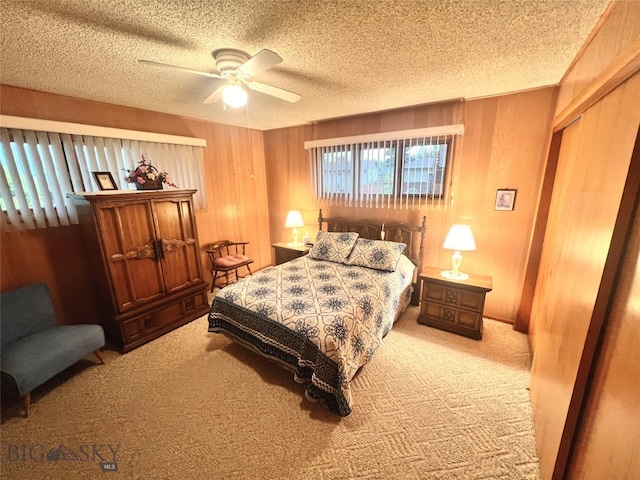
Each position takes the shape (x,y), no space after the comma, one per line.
(236,68)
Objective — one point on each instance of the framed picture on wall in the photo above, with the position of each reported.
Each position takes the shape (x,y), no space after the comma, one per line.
(105,181)
(505,199)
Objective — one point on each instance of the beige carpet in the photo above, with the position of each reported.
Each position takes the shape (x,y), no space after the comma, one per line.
(430,405)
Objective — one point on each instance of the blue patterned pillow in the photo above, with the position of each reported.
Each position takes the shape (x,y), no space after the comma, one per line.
(333,246)
(376,254)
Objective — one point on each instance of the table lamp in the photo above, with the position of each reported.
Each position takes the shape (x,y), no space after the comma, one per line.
(294,220)
(459,238)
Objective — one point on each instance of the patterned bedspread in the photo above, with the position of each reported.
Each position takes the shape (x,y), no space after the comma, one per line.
(323,320)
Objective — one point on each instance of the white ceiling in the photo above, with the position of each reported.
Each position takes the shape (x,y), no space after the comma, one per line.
(344,57)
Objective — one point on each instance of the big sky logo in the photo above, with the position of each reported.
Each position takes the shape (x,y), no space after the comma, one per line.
(104,454)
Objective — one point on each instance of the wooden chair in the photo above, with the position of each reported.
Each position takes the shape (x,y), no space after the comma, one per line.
(226,256)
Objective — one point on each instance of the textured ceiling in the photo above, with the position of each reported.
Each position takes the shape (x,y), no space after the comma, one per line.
(344,57)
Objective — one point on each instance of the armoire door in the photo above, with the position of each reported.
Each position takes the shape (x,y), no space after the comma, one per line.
(176,232)
(130,253)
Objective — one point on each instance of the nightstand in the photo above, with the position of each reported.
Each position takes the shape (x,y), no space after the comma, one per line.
(453,305)
(286,252)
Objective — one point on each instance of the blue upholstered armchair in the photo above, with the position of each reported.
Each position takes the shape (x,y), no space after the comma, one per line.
(33,347)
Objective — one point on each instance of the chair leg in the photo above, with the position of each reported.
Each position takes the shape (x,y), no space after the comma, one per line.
(26,401)
(98,354)
(239,277)
(213,281)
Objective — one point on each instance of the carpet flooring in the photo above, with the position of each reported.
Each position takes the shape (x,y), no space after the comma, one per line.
(191,405)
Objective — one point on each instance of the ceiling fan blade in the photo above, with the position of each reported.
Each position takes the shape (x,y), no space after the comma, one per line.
(166,65)
(274,91)
(261,61)
(216,95)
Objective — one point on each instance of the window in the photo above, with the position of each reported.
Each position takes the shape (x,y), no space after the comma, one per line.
(424,168)
(337,172)
(377,169)
(402,172)
(22,170)
(40,168)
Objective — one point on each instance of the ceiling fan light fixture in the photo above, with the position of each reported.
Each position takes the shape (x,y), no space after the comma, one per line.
(234,96)
(237,67)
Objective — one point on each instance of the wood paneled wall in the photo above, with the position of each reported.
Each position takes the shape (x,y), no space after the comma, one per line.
(579,277)
(236,183)
(254,178)
(504,146)
(617,32)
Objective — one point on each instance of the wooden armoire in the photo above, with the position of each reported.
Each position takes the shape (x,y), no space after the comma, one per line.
(143,247)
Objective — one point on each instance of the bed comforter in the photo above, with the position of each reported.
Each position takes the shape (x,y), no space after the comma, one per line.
(323,320)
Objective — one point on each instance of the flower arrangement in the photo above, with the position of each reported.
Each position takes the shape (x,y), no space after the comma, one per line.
(148,176)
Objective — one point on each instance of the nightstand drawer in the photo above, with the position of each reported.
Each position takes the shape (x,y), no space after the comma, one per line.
(453,296)
(452,316)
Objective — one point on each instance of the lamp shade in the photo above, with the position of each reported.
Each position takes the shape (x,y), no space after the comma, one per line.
(294,219)
(460,238)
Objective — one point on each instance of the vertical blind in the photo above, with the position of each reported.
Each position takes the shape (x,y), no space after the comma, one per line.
(400,170)
(40,168)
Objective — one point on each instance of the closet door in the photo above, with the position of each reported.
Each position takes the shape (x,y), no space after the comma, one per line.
(177,238)
(130,253)
(581,249)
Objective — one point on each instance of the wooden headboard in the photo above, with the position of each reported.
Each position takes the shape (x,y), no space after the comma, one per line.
(391,231)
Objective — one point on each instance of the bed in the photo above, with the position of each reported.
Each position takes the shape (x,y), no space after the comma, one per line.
(323,315)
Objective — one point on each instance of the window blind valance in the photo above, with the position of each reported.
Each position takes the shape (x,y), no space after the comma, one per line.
(456,129)
(37,124)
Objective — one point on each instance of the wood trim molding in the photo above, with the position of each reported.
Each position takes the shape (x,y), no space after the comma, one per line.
(620,69)
(535,250)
